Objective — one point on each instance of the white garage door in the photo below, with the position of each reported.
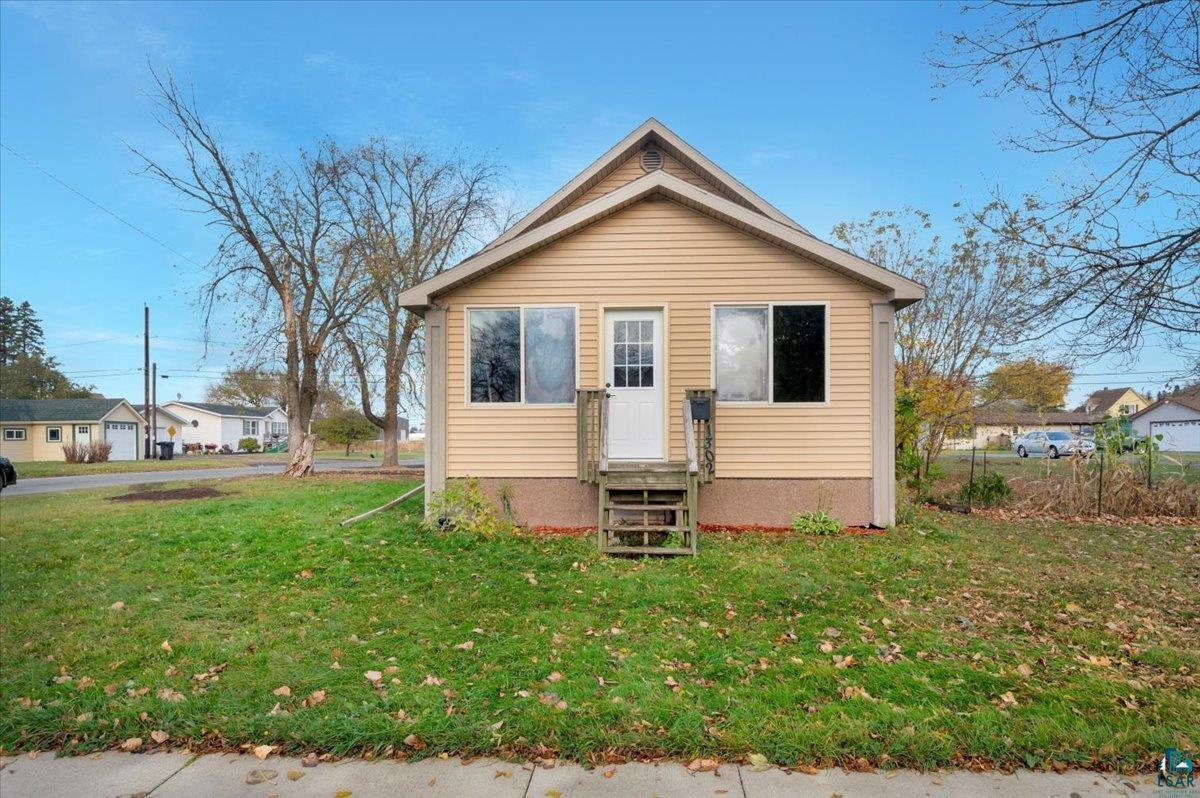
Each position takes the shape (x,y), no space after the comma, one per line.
(123,437)
(1178,436)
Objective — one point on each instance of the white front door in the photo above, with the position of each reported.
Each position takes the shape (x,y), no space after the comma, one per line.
(633,373)
(83,433)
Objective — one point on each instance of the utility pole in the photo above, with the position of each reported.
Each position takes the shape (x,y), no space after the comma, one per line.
(146,374)
(154,407)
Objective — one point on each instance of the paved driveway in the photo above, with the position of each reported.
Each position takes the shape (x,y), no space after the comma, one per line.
(85,481)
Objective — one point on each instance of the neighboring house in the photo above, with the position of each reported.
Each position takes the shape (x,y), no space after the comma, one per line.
(164,422)
(36,429)
(206,423)
(402,431)
(1113,402)
(655,273)
(997,423)
(416,434)
(1176,418)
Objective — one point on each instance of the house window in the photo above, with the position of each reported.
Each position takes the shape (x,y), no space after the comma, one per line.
(278,429)
(249,427)
(1128,410)
(83,429)
(773,352)
(53,434)
(14,433)
(522,355)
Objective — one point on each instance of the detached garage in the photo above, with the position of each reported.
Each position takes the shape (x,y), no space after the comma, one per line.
(1176,419)
(37,429)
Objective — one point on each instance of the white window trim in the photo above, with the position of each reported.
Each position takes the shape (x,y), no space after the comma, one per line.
(22,436)
(770,308)
(60,435)
(520,308)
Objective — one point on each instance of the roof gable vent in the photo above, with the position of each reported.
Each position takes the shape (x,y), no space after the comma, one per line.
(652,158)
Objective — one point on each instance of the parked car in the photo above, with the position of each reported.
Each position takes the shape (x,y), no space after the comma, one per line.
(8,474)
(1052,444)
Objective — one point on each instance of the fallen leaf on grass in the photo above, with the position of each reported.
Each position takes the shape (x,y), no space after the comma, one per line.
(263,751)
(118,606)
(1007,699)
(166,646)
(467,646)
(414,742)
(132,744)
(314,698)
(1024,670)
(430,679)
(159,736)
(826,647)
(702,765)
(170,694)
(554,677)
(374,677)
(261,776)
(758,762)
(283,691)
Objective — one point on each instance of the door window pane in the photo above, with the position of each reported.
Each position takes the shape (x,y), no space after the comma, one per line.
(495,355)
(633,354)
(798,360)
(549,355)
(741,354)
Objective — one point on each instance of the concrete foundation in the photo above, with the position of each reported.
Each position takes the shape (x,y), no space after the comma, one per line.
(565,502)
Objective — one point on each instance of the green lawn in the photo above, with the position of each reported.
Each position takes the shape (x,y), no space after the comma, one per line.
(960,639)
(31,470)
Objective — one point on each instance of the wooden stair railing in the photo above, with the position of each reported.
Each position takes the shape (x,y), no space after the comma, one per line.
(591,433)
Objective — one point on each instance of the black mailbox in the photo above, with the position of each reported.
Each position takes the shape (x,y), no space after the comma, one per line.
(701,408)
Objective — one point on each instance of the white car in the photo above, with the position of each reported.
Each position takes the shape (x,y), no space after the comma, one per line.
(1052,444)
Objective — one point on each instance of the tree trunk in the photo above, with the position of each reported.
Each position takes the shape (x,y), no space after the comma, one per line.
(391,457)
(302,456)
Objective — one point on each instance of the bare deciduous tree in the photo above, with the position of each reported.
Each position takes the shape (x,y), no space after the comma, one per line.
(1115,85)
(411,214)
(281,250)
(965,320)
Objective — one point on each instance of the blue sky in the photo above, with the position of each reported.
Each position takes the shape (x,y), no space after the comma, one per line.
(826,110)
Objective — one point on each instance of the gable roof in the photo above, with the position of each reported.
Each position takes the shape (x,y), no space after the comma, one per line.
(1104,398)
(225,410)
(37,410)
(900,290)
(1190,401)
(649,132)
(1003,412)
(160,410)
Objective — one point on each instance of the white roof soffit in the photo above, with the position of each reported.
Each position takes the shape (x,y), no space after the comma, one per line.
(650,130)
(900,290)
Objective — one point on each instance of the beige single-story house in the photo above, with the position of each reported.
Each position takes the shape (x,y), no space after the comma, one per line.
(563,358)
(997,423)
(1114,402)
(36,429)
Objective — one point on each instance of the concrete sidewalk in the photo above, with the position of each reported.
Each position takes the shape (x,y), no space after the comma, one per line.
(180,775)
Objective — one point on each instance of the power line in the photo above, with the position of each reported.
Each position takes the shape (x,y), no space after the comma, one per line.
(113,214)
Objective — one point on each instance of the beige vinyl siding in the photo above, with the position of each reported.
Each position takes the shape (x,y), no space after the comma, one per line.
(660,253)
(630,170)
(35,447)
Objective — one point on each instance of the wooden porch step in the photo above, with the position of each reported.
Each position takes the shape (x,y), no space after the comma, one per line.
(644,507)
(664,550)
(649,528)
(652,486)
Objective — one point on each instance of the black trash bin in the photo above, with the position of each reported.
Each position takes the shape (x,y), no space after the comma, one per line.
(166,450)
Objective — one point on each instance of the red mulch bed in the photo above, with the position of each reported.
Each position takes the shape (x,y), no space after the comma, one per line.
(728,529)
